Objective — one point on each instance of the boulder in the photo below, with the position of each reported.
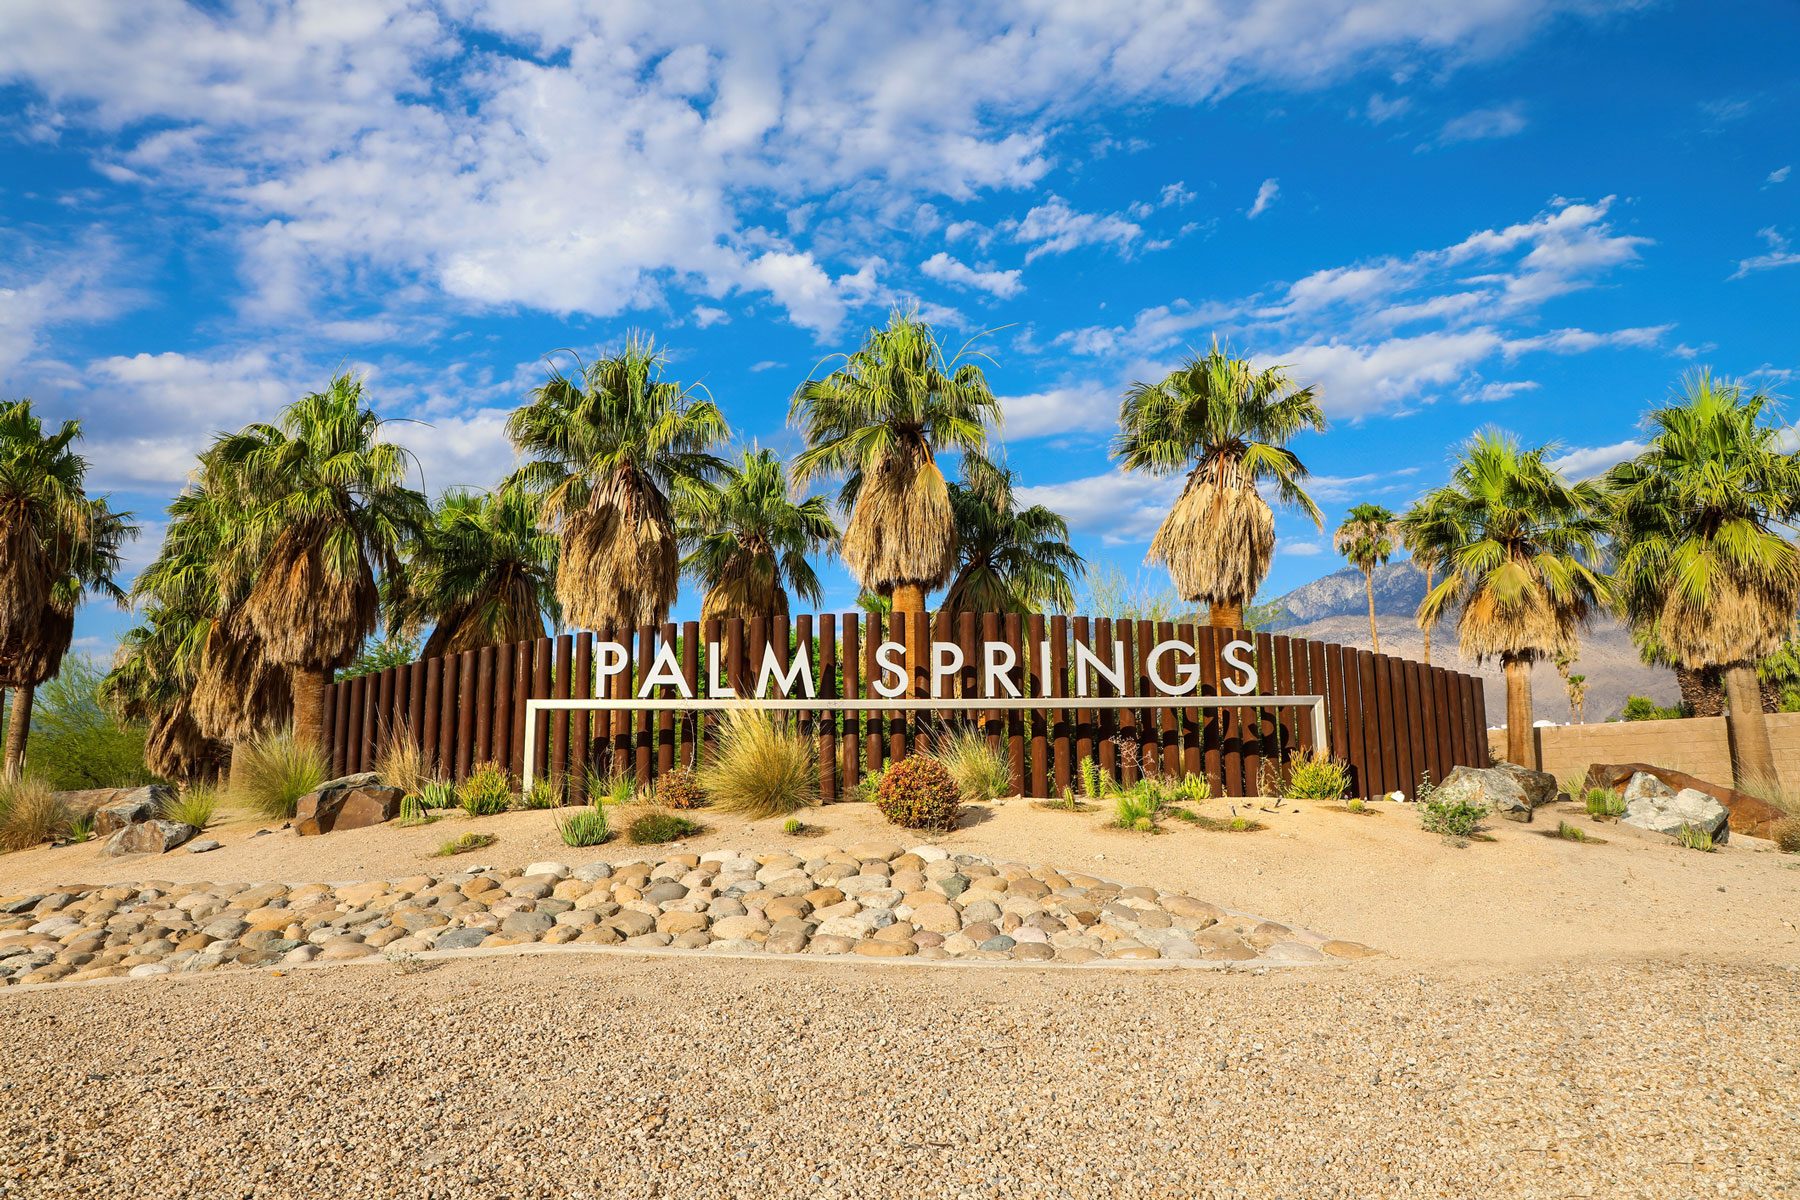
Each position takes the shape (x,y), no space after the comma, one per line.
(350,802)
(1748,814)
(115,808)
(1662,809)
(149,837)
(1506,790)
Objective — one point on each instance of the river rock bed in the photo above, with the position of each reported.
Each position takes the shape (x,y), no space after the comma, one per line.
(875,900)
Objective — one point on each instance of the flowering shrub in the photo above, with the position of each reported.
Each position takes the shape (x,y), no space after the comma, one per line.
(679,788)
(918,793)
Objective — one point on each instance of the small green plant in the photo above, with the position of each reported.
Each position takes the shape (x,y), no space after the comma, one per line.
(616,787)
(657,826)
(869,786)
(793,827)
(918,793)
(466,843)
(1140,807)
(1317,777)
(761,767)
(194,806)
(486,790)
(678,789)
(1570,833)
(414,811)
(543,793)
(1692,837)
(1192,789)
(982,773)
(1356,804)
(586,826)
(1236,823)
(1456,822)
(437,794)
(1094,785)
(270,774)
(80,828)
(1604,804)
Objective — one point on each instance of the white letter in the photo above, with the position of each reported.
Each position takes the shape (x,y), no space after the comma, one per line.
(665,672)
(1188,673)
(771,666)
(612,661)
(1085,658)
(998,661)
(946,659)
(1234,658)
(715,686)
(888,654)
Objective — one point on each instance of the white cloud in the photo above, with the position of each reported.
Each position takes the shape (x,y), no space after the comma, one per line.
(1175,194)
(1482,124)
(767,364)
(1265,196)
(1054,228)
(1585,462)
(42,290)
(1381,109)
(1489,392)
(1298,549)
(1117,507)
(1077,408)
(1779,255)
(1779,175)
(465,450)
(705,316)
(946,269)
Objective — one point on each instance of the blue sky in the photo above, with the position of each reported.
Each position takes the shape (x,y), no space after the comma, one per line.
(1442,213)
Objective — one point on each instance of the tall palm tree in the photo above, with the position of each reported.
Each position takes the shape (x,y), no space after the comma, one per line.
(1414,530)
(1226,425)
(57,544)
(483,574)
(1516,540)
(1366,539)
(1009,559)
(749,540)
(326,509)
(1699,551)
(880,419)
(608,453)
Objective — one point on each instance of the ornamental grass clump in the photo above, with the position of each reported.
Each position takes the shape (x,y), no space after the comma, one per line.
(655,826)
(270,773)
(1787,834)
(543,793)
(585,826)
(678,789)
(761,768)
(1140,807)
(30,813)
(1317,777)
(194,806)
(981,772)
(615,787)
(919,793)
(400,761)
(486,790)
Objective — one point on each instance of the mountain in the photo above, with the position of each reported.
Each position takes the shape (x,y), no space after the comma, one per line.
(1335,609)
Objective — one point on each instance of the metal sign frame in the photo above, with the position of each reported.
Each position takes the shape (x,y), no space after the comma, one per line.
(914,704)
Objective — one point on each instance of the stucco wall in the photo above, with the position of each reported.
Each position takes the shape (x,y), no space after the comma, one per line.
(1697,745)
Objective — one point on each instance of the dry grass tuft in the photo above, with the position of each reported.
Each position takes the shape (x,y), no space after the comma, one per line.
(760,768)
(270,774)
(194,806)
(982,773)
(401,762)
(30,814)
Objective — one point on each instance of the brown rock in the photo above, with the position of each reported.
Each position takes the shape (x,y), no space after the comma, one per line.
(876,948)
(353,802)
(1340,949)
(149,837)
(673,923)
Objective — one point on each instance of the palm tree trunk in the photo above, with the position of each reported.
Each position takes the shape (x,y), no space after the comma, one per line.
(309,708)
(1518,709)
(1752,758)
(1701,691)
(1225,614)
(1369,587)
(18,729)
(1427,626)
(909,598)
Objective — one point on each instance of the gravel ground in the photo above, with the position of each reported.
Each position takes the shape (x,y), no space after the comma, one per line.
(590,1076)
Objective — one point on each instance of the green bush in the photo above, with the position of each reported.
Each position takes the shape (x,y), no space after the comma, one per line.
(760,767)
(618,787)
(437,794)
(1643,708)
(543,793)
(1140,807)
(678,789)
(1454,820)
(270,773)
(193,806)
(75,743)
(656,826)
(486,790)
(29,814)
(982,774)
(918,793)
(586,826)
(1570,833)
(868,788)
(1191,789)
(1317,777)
(81,828)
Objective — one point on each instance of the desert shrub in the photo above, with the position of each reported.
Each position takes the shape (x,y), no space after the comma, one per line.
(1317,777)
(868,788)
(270,773)
(30,813)
(1692,837)
(1643,708)
(466,843)
(982,774)
(656,825)
(486,790)
(1456,821)
(401,762)
(918,793)
(1787,834)
(437,794)
(1604,803)
(1140,807)
(586,826)
(543,793)
(414,810)
(1570,833)
(1191,789)
(678,789)
(193,806)
(75,742)
(615,787)
(760,767)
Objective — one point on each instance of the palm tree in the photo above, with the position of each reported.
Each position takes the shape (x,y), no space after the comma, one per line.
(56,545)
(1516,540)
(325,510)
(1576,685)
(1366,539)
(880,420)
(1009,559)
(1413,529)
(749,540)
(1698,550)
(483,574)
(1227,426)
(152,682)
(608,453)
